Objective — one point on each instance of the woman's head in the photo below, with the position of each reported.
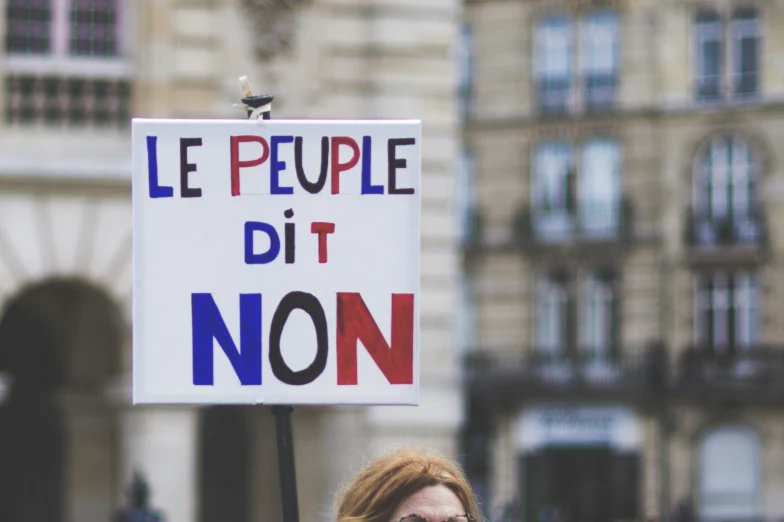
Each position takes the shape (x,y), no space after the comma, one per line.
(410,481)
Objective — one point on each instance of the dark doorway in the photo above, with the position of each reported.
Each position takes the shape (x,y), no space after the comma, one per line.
(57,337)
(31,434)
(579,484)
(224,455)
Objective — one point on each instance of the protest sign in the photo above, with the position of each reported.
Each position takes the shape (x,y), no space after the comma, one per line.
(276,262)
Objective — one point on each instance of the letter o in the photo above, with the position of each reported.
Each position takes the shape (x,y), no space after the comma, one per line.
(310,305)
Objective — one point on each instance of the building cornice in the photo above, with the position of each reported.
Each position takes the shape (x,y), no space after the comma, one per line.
(610,118)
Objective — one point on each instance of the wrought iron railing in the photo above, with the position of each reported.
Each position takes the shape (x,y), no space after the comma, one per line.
(553,95)
(704,231)
(751,373)
(591,221)
(600,92)
(708,87)
(538,372)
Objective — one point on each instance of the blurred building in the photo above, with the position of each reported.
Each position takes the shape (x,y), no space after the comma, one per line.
(623,258)
(73,73)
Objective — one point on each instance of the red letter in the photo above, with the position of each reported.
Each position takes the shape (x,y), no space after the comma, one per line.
(337,166)
(322,229)
(356,324)
(236,164)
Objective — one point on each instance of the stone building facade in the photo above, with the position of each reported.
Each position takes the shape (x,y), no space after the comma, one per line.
(74,72)
(623,257)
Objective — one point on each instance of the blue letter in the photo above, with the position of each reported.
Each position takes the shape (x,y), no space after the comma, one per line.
(367,186)
(276,166)
(156,191)
(273,250)
(207,324)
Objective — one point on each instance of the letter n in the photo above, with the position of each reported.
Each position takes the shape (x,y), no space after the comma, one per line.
(208,324)
(355,324)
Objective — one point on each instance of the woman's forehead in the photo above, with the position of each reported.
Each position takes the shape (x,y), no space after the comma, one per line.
(434,502)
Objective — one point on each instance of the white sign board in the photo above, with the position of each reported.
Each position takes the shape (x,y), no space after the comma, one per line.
(616,427)
(276,261)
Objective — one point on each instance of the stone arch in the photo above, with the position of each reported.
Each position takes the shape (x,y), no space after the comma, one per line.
(758,143)
(60,341)
(84,236)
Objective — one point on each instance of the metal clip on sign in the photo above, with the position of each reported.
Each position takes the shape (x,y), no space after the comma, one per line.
(260,107)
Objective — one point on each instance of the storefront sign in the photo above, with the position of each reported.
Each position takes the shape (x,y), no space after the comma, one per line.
(597,426)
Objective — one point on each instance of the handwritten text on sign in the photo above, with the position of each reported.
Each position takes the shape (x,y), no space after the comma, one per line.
(276,261)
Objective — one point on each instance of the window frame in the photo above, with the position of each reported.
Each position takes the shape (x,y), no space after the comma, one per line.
(732,288)
(586,178)
(726,171)
(587,75)
(59,61)
(554,296)
(596,283)
(545,81)
(728,27)
(576,84)
(699,41)
(465,61)
(542,201)
(734,50)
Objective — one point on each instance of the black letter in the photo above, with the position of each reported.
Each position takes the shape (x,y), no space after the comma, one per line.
(185,168)
(395,164)
(310,305)
(289,237)
(313,188)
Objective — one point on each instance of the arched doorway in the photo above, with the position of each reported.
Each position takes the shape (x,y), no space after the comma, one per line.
(225,457)
(59,343)
(729,474)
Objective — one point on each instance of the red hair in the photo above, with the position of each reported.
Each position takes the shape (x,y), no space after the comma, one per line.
(380,488)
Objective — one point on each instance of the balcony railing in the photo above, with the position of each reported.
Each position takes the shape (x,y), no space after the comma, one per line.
(746,85)
(708,87)
(537,374)
(553,95)
(752,374)
(706,232)
(590,222)
(600,92)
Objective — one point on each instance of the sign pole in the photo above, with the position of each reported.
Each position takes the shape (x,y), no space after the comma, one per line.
(288,478)
(261,107)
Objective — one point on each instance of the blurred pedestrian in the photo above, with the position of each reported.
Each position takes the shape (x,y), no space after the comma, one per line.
(138,503)
(409,486)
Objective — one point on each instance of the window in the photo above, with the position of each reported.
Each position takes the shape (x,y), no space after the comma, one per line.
(465,68)
(724,194)
(464,198)
(553,42)
(729,474)
(599,320)
(709,66)
(727,312)
(553,191)
(29,26)
(585,327)
(599,58)
(738,57)
(552,315)
(589,197)
(745,52)
(600,180)
(554,59)
(65,65)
